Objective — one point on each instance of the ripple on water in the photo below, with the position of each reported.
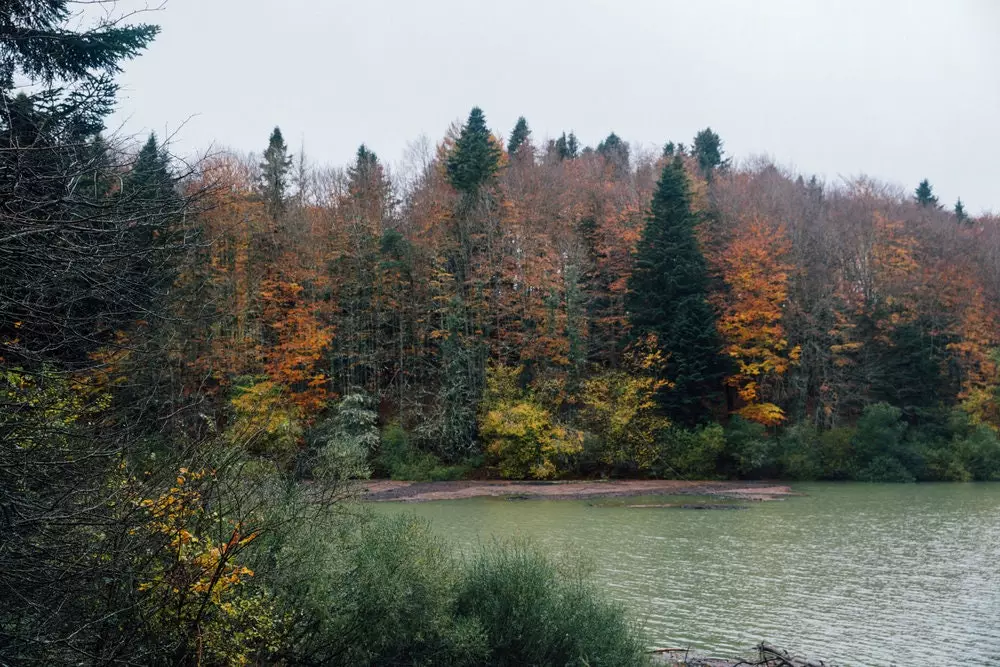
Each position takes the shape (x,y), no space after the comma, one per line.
(855,574)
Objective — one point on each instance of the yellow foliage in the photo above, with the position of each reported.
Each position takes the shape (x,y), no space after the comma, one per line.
(520,434)
(621,409)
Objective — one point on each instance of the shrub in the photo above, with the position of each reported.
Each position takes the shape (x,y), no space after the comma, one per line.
(520,435)
(621,409)
(749,450)
(398,458)
(531,613)
(692,454)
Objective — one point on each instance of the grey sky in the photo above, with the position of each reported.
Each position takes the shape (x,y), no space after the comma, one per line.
(896,89)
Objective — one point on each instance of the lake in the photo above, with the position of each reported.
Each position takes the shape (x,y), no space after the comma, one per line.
(858,574)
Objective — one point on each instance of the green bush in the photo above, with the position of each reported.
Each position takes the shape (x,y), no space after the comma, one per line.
(690,454)
(533,614)
(883,452)
(750,452)
(398,458)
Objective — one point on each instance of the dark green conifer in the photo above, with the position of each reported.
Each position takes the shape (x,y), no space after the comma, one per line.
(274,173)
(519,136)
(616,153)
(924,195)
(667,297)
(960,211)
(708,151)
(476,157)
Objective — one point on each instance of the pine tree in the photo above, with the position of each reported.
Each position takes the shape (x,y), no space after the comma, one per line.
(924,195)
(519,136)
(476,156)
(567,146)
(274,173)
(960,213)
(616,153)
(708,151)
(667,297)
(669,149)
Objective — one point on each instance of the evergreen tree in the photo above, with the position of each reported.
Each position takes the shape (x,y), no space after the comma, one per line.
(567,146)
(476,156)
(667,297)
(519,136)
(274,173)
(708,151)
(668,149)
(616,153)
(960,211)
(924,195)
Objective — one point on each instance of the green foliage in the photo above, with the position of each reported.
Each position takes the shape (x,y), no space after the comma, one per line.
(691,453)
(616,154)
(274,173)
(566,146)
(475,157)
(708,151)
(520,434)
(518,136)
(749,448)
(344,442)
(620,409)
(960,213)
(264,420)
(398,458)
(924,195)
(881,450)
(533,613)
(668,297)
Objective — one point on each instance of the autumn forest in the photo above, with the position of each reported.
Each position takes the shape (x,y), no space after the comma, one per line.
(199,359)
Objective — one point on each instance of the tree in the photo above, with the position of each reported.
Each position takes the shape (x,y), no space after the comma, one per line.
(567,147)
(708,151)
(668,298)
(274,173)
(519,136)
(960,213)
(475,158)
(616,153)
(924,195)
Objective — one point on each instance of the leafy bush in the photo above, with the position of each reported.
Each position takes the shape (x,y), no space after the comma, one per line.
(882,451)
(264,420)
(621,409)
(520,435)
(531,613)
(691,454)
(342,444)
(398,458)
(749,449)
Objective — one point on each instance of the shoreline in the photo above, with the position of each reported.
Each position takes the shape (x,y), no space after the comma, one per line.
(384,490)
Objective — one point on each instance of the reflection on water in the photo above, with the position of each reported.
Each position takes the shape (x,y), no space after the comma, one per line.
(854,573)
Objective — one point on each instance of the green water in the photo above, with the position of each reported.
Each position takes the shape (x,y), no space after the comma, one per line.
(858,574)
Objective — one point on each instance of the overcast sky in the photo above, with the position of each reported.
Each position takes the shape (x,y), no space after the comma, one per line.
(896,89)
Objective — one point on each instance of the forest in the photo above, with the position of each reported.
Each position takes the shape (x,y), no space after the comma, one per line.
(199,359)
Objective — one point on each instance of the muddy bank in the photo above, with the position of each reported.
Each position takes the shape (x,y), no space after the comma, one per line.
(388,490)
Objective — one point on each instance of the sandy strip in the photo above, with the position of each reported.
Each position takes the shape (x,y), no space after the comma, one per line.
(384,490)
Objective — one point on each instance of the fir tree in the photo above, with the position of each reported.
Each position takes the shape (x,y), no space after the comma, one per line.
(960,213)
(567,146)
(667,297)
(476,156)
(708,151)
(669,149)
(924,195)
(274,173)
(519,136)
(616,153)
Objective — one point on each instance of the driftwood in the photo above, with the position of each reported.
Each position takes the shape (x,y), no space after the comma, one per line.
(767,656)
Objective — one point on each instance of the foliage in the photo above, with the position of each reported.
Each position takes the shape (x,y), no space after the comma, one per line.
(476,157)
(520,434)
(533,613)
(343,443)
(264,420)
(667,297)
(398,458)
(691,453)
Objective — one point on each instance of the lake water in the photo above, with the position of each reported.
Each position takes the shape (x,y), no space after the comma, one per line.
(858,574)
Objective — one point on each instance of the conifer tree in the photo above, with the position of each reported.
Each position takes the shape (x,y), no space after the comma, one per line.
(476,156)
(274,173)
(708,151)
(960,211)
(519,136)
(667,297)
(567,146)
(616,153)
(924,195)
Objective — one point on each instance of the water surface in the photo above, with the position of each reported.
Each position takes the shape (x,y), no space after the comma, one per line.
(859,574)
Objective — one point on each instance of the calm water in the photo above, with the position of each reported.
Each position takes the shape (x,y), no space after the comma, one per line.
(854,573)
